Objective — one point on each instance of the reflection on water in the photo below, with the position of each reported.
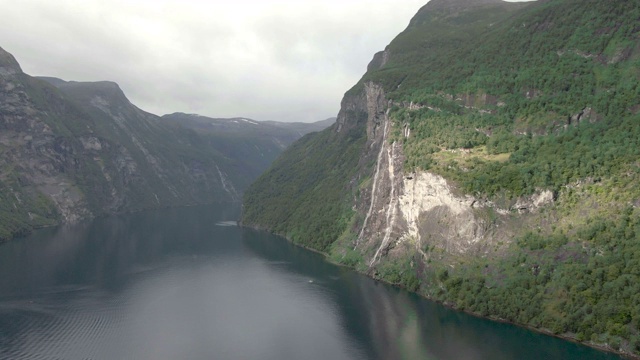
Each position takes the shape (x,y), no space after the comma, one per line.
(390,323)
(189,284)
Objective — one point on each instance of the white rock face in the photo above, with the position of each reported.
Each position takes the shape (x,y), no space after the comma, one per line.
(91,143)
(427,194)
(534,202)
(542,199)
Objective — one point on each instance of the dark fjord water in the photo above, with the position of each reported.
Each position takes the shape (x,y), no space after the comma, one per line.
(187,284)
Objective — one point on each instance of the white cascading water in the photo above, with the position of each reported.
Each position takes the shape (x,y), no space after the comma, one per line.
(374,188)
(392,208)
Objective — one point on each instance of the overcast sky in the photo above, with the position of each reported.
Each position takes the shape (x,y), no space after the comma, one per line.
(286,60)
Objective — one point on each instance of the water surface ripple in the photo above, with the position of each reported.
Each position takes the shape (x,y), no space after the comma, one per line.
(189,284)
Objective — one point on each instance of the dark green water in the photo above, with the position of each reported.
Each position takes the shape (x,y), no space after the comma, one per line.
(187,284)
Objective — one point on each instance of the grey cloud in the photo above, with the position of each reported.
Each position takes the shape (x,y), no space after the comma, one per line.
(278,60)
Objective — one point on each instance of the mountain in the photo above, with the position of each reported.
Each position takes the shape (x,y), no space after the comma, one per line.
(302,128)
(254,144)
(281,133)
(270,136)
(487,159)
(72,150)
(84,150)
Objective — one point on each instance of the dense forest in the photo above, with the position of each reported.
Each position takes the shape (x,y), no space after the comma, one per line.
(504,100)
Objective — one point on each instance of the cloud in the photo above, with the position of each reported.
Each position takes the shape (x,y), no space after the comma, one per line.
(271,59)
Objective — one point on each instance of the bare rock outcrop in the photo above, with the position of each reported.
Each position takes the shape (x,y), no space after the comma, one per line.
(423,209)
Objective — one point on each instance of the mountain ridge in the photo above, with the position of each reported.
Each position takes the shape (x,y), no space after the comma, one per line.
(8,63)
(74,150)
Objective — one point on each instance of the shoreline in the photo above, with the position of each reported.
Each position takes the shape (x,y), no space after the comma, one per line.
(601,347)
(28,232)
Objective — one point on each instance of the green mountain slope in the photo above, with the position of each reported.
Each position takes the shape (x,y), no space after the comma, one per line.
(494,168)
(303,195)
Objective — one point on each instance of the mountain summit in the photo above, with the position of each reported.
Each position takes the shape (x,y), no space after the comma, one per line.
(8,64)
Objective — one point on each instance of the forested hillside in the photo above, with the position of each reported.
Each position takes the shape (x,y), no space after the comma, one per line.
(488,160)
(534,75)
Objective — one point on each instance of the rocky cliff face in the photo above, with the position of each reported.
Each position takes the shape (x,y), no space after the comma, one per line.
(383,223)
(35,162)
(72,150)
(406,212)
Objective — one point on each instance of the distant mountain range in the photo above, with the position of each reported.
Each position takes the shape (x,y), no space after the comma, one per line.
(72,150)
(239,125)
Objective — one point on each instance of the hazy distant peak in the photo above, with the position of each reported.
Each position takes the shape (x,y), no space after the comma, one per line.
(8,64)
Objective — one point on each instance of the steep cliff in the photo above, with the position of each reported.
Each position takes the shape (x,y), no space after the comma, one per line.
(495,167)
(84,150)
(72,150)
